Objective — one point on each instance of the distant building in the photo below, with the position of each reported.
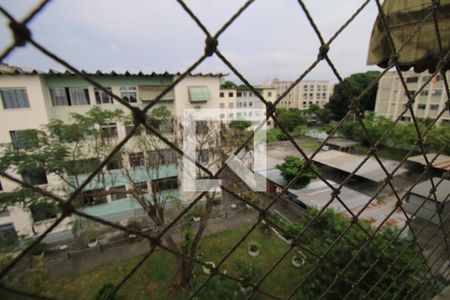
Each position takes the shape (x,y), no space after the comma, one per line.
(391,98)
(304,94)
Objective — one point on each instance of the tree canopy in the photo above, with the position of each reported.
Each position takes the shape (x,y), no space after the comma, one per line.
(291,167)
(290,118)
(228,84)
(355,84)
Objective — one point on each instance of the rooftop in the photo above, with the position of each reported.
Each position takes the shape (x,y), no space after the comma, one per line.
(442,191)
(441,162)
(346,162)
(6,69)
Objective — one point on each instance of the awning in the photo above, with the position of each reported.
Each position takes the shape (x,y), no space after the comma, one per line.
(199,94)
(403,18)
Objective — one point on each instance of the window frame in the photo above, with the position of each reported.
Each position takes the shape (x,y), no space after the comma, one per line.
(26,100)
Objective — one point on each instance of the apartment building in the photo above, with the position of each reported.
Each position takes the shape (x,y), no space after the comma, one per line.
(391,98)
(30,99)
(304,94)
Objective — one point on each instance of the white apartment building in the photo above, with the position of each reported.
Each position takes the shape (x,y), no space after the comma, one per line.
(391,98)
(30,99)
(304,94)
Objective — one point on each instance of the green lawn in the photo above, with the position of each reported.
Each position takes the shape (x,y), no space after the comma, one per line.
(153,280)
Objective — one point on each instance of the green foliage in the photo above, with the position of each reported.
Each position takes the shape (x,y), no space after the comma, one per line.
(104,292)
(322,115)
(240,124)
(355,84)
(273,134)
(43,211)
(247,271)
(290,118)
(401,136)
(291,167)
(228,85)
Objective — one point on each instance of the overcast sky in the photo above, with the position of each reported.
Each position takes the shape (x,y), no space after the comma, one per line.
(272,38)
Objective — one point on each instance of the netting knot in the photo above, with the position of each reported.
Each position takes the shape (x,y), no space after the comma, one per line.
(270,108)
(372,150)
(393,58)
(335,193)
(21,33)
(139,116)
(398,203)
(354,219)
(323,51)
(66,208)
(210,45)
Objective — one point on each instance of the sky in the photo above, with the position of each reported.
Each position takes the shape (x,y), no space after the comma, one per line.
(271,39)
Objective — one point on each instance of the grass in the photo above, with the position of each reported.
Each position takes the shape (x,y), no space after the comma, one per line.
(153,280)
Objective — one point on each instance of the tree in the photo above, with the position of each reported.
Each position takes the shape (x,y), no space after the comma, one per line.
(290,118)
(291,167)
(327,228)
(137,171)
(240,124)
(228,85)
(355,84)
(320,114)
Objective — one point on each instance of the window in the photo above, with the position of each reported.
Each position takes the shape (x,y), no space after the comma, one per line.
(8,233)
(231,105)
(137,159)
(239,94)
(141,187)
(436,93)
(250,94)
(14,98)
(222,116)
(221,95)
(79,96)
(269,94)
(43,211)
(424,93)
(118,192)
(24,139)
(239,104)
(426,78)
(230,115)
(94,197)
(245,104)
(197,107)
(114,164)
(421,106)
(102,97)
(169,183)
(238,114)
(162,157)
(109,130)
(36,176)
(222,105)
(230,94)
(69,96)
(434,106)
(128,93)
(82,166)
(203,156)
(412,79)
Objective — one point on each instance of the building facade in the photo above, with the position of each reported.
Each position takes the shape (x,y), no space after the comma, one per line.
(391,98)
(31,99)
(304,94)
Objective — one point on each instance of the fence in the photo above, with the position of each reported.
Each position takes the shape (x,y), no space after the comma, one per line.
(425,284)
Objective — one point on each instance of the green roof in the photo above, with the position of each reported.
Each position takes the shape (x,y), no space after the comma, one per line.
(199,94)
(119,177)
